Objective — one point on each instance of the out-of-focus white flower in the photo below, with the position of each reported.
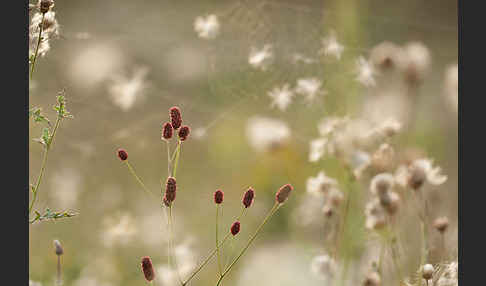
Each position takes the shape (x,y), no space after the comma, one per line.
(360,161)
(449,277)
(207,27)
(331,47)
(186,262)
(310,88)
(401,176)
(451,86)
(33,283)
(266,133)
(118,230)
(50,29)
(366,72)
(375,214)
(433,174)
(321,184)
(382,183)
(124,91)
(324,267)
(281,96)
(327,125)
(317,149)
(199,132)
(415,62)
(299,58)
(261,58)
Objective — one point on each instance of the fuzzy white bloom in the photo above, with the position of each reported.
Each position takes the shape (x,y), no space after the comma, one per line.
(366,72)
(50,29)
(321,184)
(261,58)
(310,88)
(331,47)
(451,86)
(449,277)
(125,91)
(186,262)
(375,214)
(207,27)
(382,183)
(401,176)
(266,133)
(329,124)
(317,149)
(118,230)
(415,61)
(433,174)
(324,267)
(360,161)
(281,96)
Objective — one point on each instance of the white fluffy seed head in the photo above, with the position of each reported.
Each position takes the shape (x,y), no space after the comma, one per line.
(427,271)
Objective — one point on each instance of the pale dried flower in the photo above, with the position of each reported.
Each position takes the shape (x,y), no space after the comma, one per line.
(317,149)
(324,267)
(383,158)
(310,88)
(385,55)
(372,279)
(265,134)
(329,124)
(425,167)
(124,91)
(261,58)
(416,62)
(321,184)
(441,224)
(366,72)
(331,47)
(382,183)
(375,214)
(207,27)
(281,97)
(427,271)
(449,275)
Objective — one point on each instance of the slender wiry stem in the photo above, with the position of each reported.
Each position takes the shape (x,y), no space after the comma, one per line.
(41,27)
(132,171)
(217,244)
(171,251)
(44,164)
(177,156)
(269,215)
(59,279)
(211,255)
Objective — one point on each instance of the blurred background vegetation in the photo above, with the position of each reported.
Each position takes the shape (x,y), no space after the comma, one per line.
(107,42)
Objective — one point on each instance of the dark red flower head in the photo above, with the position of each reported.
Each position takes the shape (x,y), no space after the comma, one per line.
(235,228)
(148,269)
(167,131)
(175,117)
(218,196)
(184,132)
(122,154)
(170,191)
(283,193)
(248,197)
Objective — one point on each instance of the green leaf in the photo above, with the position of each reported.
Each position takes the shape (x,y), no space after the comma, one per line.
(46,137)
(60,108)
(52,215)
(35,113)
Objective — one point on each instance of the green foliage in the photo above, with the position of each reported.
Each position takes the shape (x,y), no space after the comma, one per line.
(51,215)
(35,113)
(60,108)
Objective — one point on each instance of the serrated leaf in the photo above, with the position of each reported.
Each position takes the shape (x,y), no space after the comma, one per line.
(35,113)
(52,215)
(46,137)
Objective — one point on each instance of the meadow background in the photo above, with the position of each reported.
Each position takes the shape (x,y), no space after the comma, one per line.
(109,48)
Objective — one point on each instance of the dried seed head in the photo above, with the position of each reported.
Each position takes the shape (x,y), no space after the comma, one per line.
(45,5)
(382,183)
(441,224)
(170,191)
(167,131)
(390,201)
(58,247)
(417,176)
(328,210)
(184,132)
(218,196)
(148,269)
(248,197)
(235,228)
(175,117)
(427,271)
(415,63)
(372,279)
(385,55)
(283,193)
(122,154)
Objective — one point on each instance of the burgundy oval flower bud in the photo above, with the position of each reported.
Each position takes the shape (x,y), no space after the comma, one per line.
(122,154)
(166,202)
(218,196)
(167,131)
(248,197)
(235,228)
(175,117)
(184,132)
(283,193)
(170,190)
(148,268)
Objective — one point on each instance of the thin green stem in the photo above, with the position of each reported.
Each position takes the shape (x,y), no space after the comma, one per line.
(252,238)
(59,279)
(170,247)
(217,244)
(43,164)
(211,255)
(168,157)
(41,27)
(132,171)
(177,156)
